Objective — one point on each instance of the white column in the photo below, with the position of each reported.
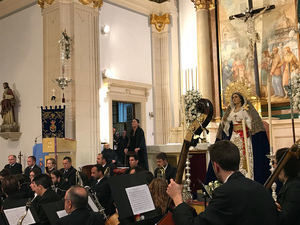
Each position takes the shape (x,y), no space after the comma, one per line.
(82,104)
(204,48)
(161,84)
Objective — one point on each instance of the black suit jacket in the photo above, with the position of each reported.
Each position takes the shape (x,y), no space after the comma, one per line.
(15,169)
(28,170)
(240,201)
(289,200)
(47,197)
(81,217)
(69,176)
(104,196)
(170,172)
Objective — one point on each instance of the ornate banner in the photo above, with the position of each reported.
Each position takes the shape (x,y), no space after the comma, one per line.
(53,122)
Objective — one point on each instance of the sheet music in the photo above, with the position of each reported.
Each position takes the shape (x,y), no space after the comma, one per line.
(92,204)
(14,214)
(140,199)
(61,213)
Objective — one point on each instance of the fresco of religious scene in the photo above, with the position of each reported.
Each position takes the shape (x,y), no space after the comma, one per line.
(277,49)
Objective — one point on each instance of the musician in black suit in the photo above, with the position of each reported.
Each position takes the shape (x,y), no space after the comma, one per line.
(13,166)
(102,189)
(68,172)
(289,195)
(162,163)
(31,160)
(58,184)
(134,165)
(238,201)
(41,185)
(76,202)
(108,167)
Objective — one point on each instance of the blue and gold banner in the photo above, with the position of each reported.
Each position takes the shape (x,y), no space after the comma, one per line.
(53,122)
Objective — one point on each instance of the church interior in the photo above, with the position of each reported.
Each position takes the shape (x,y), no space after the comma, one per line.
(107,62)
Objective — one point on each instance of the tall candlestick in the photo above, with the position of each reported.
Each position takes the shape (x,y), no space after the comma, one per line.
(188,79)
(196,78)
(192,75)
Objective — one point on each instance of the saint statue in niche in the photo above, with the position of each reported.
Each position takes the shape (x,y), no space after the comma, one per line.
(7,110)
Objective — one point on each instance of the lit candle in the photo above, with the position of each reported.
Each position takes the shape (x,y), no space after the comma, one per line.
(53,92)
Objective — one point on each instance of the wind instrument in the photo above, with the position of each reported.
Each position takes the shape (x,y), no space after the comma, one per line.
(79,180)
(94,198)
(161,173)
(28,204)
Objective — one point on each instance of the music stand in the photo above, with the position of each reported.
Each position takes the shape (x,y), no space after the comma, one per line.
(51,210)
(118,185)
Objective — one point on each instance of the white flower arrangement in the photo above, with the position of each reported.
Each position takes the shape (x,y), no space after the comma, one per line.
(295,91)
(190,100)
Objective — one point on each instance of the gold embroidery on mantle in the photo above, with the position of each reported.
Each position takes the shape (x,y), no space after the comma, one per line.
(160,21)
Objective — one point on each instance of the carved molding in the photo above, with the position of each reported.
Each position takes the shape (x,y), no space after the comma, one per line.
(160,21)
(203,4)
(127,89)
(96,3)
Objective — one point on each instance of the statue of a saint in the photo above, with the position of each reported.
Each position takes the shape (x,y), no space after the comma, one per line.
(7,110)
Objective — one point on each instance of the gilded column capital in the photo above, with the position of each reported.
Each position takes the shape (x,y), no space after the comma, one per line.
(96,3)
(160,21)
(42,2)
(203,4)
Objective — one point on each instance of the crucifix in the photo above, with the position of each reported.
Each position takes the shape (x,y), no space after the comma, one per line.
(20,157)
(249,17)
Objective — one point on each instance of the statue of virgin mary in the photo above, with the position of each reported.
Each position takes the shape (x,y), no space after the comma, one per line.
(251,140)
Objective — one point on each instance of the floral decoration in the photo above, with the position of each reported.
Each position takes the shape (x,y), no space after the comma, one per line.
(190,100)
(294,92)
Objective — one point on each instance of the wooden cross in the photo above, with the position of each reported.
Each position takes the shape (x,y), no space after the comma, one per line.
(249,17)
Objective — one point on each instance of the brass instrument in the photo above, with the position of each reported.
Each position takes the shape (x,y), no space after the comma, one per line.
(161,173)
(79,180)
(28,204)
(94,197)
(107,172)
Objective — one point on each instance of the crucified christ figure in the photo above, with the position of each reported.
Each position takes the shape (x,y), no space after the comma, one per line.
(249,17)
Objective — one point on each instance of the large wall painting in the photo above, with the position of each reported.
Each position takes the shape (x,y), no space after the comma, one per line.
(277,46)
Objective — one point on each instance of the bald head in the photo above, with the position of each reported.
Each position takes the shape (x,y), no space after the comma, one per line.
(76,197)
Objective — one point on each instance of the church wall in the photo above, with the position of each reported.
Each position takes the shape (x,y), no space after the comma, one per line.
(188,35)
(21,57)
(126,51)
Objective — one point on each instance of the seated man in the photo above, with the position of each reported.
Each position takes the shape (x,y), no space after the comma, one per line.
(13,166)
(31,164)
(41,185)
(68,172)
(108,167)
(58,184)
(76,202)
(111,155)
(289,195)
(102,189)
(238,200)
(133,165)
(162,163)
